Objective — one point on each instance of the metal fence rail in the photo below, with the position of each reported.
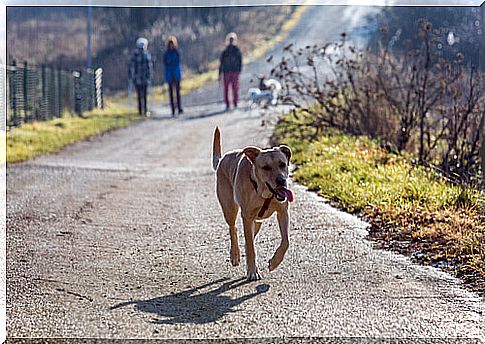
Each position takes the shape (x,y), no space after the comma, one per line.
(42,93)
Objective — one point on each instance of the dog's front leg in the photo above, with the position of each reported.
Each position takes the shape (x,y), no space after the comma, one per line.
(257,227)
(253,273)
(284,222)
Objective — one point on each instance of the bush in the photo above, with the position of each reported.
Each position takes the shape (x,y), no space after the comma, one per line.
(416,101)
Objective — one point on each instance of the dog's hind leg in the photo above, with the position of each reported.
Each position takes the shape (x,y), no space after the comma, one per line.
(231,221)
(230,210)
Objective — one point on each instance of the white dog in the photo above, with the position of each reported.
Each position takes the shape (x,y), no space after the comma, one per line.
(268,92)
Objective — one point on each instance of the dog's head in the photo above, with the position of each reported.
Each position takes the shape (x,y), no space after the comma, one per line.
(270,167)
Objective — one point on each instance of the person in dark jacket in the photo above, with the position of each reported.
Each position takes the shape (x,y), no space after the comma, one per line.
(140,73)
(173,72)
(230,68)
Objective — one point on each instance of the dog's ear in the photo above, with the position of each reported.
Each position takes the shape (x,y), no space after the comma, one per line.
(286,151)
(251,152)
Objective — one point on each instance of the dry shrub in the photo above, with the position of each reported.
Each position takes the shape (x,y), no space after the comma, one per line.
(415,101)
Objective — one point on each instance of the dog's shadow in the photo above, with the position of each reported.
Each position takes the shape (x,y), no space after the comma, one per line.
(193,306)
(205,115)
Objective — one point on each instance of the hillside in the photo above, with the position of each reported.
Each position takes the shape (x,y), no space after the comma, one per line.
(57,35)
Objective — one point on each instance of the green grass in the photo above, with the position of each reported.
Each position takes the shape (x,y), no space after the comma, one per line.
(34,139)
(357,173)
(410,208)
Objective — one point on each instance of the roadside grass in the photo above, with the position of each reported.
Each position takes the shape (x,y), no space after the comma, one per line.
(37,138)
(411,209)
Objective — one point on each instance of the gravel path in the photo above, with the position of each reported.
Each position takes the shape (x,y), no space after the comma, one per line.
(121,236)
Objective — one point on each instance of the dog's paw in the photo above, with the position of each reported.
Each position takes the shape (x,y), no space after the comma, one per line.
(235,257)
(272,264)
(253,276)
(270,267)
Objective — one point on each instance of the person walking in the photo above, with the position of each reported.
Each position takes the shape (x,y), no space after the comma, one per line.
(230,68)
(173,72)
(140,73)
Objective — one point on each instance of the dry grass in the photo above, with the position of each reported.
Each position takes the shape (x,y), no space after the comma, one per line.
(288,25)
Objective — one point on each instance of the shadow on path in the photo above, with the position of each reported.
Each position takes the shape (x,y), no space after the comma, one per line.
(204,115)
(203,102)
(162,117)
(184,117)
(190,306)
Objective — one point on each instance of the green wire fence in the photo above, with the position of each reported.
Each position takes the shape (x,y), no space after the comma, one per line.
(39,93)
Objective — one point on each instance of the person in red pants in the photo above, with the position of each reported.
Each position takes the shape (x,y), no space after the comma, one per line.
(230,68)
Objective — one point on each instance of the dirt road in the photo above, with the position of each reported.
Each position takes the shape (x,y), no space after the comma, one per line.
(121,236)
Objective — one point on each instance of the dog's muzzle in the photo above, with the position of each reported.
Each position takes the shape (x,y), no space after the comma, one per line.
(281,193)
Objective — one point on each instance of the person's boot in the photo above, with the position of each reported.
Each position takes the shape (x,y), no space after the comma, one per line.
(181,111)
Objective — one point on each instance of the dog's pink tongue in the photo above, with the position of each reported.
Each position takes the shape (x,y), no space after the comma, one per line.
(289,195)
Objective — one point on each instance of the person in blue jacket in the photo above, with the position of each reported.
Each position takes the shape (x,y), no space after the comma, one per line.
(173,72)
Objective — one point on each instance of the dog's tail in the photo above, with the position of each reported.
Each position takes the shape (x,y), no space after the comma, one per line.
(216,149)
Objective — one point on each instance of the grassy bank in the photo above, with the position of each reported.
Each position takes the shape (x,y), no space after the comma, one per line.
(410,208)
(34,139)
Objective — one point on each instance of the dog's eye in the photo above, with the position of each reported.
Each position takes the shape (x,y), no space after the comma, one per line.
(282,165)
(267,168)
